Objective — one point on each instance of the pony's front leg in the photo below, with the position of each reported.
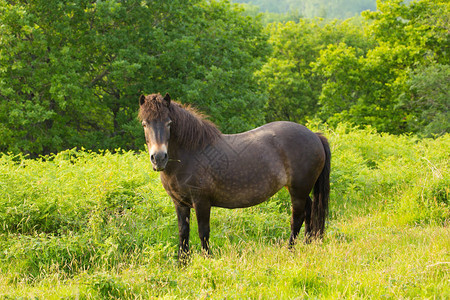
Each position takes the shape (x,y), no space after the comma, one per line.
(183,214)
(203,211)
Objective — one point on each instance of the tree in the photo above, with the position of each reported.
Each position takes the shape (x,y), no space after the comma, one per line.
(70,72)
(423,25)
(292,84)
(362,89)
(375,88)
(429,99)
(216,69)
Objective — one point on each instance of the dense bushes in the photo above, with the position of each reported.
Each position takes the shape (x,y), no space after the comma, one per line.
(402,177)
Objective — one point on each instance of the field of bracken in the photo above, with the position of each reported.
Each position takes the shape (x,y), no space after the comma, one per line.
(83,225)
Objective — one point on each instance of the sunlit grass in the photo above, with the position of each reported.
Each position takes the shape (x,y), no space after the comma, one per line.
(92,225)
(412,262)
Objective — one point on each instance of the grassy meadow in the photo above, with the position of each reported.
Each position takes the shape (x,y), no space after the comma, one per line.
(82,225)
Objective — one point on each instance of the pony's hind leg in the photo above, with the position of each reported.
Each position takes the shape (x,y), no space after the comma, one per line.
(308,228)
(300,212)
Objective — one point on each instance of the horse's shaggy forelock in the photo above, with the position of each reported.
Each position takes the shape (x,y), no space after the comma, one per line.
(189,127)
(153,108)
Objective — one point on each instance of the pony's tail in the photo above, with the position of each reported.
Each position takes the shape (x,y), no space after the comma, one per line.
(319,210)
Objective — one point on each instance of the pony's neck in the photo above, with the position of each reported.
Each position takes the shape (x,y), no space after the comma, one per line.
(191,129)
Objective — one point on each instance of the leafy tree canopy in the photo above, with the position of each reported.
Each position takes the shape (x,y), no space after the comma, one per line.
(293,86)
(378,72)
(71,71)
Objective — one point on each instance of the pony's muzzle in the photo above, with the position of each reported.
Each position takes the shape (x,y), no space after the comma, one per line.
(159,160)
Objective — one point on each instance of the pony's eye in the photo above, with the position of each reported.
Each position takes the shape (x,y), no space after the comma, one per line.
(144,125)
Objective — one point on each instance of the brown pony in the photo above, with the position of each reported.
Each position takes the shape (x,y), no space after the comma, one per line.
(201,167)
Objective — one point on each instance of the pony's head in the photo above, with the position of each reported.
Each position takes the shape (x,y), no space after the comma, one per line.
(154,114)
(164,119)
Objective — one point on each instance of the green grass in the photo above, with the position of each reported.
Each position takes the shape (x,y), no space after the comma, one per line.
(81,225)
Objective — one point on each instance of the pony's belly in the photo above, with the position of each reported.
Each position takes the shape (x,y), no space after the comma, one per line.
(240,203)
(245,195)
(248,186)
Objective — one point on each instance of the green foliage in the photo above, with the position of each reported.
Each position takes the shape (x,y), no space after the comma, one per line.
(227,48)
(389,71)
(364,89)
(110,229)
(109,287)
(429,99)
(77,209)
(71,72)
(422,25)
(80,224)
(292,84)
(408,175)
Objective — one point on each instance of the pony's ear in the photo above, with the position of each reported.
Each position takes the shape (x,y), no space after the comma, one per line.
(142,100)
(167,99)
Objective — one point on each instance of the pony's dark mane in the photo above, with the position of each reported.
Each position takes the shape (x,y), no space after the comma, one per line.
(190,127)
